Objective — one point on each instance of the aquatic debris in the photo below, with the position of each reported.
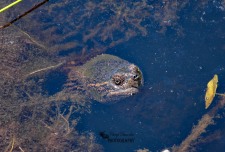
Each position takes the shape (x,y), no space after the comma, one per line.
(13,141)
(190,142)
(211,91)
(24,14)
(143,150)
(44,69)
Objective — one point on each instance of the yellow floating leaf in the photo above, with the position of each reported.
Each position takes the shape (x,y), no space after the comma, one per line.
(211,91)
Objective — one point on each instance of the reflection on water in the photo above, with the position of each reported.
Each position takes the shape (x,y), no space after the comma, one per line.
(179,46)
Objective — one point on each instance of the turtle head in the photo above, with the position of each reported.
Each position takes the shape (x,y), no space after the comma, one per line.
(125,81)
(109,78)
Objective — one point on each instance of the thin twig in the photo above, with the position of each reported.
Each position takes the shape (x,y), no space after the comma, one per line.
(24,14)
(32,39)
(13,141)
(68,126)
(44,69)
(21,149)
(220,94)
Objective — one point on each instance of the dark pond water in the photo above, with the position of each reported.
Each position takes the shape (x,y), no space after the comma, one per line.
(179,53)
(176,70)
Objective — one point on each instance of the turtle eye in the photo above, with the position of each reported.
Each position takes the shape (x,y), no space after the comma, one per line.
(117,81)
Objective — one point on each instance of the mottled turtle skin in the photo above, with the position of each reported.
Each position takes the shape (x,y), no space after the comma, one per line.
(107,78)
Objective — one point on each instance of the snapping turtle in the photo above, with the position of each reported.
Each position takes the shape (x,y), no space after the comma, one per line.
(106,78)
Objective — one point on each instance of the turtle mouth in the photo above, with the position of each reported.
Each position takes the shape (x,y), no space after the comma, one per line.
(137,77)
(125,92)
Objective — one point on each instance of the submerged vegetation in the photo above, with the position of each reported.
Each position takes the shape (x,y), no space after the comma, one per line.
(31,118)
(66,34)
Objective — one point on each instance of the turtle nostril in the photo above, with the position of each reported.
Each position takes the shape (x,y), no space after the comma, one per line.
(135,77)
